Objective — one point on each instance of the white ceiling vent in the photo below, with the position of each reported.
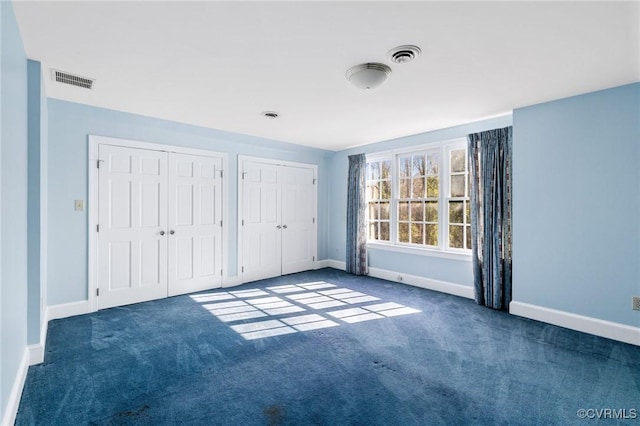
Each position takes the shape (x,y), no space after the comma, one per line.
(72,79)
(403,54)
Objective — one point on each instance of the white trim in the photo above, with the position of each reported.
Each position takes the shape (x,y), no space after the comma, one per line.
(611,330)
(94,141)
(36,354)
(336,264)
(72,309)
(276,162)
(322,264)
(240,196)
(92,215)
(419,251)
(37,350)
(15,394)
(422,282)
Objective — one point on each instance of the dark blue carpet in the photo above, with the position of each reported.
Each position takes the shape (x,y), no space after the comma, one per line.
(367,362)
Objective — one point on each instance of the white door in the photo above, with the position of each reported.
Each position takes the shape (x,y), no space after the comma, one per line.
(195,223)
(132,220)
(261,231)
(278,220)
(298,219)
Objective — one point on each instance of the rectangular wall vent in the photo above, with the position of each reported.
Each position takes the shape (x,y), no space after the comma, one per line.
(73,80)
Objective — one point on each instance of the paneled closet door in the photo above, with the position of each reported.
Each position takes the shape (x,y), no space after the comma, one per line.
(298,219)
(132,220)
(195,223)
(261,215)
(278,220)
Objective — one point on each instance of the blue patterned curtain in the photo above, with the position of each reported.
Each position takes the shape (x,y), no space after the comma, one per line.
(490,188)
(356,216)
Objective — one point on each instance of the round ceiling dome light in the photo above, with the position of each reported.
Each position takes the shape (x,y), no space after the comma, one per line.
(403,54)
(368,76)
(270,114)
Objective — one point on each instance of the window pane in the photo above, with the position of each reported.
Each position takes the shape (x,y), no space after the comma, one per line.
(418,188)
(418,165)
(432,186)
(432,163)
(467,212)
(431,212)
(405,167)
(417,210)
(456,211)
(403,232)
(455,236)
(468,228)
(386,190)
(405,185)
(375,191)
(384,231)
(417,230)
(373,230)
(403,210)
(431,235)
(457,185)
(384,211)
(375,170)
(385,169)
(457,160)
(373,211)
(369,193)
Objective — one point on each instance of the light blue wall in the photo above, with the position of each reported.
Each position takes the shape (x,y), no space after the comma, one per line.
(454,271)
(69,126)
(13,220)
(37,126)
(576,206)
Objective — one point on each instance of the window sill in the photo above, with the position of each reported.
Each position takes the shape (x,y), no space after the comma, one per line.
(462,257)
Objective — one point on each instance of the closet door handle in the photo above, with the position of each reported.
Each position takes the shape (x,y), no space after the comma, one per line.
(279,227)
(284,226)
(172,232)
(161,232)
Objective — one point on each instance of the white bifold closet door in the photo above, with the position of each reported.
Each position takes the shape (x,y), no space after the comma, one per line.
(278,220)
(159,224)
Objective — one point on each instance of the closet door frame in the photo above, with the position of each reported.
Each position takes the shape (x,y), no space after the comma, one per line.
(94,142)
(274,162)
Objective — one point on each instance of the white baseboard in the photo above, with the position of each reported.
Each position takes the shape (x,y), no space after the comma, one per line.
(13,402)
(65,310)
(422,282)
(36,351)
(611,330)
(322,264)
(336,264)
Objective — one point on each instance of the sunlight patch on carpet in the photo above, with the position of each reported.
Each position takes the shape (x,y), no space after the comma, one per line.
(272,308)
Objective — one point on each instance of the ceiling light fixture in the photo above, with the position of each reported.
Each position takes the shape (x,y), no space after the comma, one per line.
(270,114)
(403,54)
(368,76)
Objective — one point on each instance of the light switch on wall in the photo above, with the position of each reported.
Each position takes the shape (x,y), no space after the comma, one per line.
(79,205)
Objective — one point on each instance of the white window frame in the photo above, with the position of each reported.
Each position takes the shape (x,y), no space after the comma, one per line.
(445,147)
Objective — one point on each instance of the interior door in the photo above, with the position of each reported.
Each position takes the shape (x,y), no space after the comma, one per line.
(261,214)
(298,219)
(132,221)
(195,223)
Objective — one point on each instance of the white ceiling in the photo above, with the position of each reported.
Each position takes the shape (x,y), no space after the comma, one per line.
(220,64)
